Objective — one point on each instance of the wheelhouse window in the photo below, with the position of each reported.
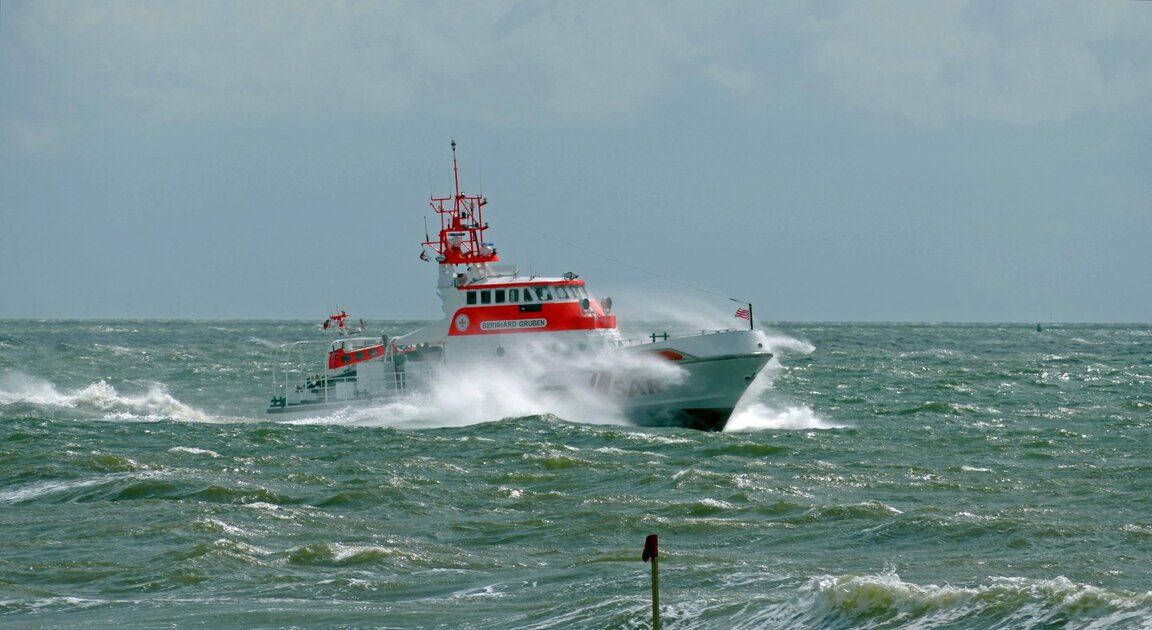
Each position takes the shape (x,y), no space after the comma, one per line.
(470,297)
(499,295)
(544,294)
(561,293)
(485,297)
(513,295)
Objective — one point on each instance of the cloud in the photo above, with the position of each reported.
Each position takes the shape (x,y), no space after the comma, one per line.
(595,62)
(1020,63)
(739,82)
(212,58)
(513,64)
(32,138)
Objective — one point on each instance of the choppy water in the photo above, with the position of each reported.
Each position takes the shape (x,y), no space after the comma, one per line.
(887,476)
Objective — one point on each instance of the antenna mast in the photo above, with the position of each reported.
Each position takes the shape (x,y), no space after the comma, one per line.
(455,168)
(461,238)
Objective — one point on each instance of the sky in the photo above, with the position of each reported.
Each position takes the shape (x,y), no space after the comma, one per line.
(943,161)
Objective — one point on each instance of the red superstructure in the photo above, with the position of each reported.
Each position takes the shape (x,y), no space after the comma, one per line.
(340,357)
(483,299)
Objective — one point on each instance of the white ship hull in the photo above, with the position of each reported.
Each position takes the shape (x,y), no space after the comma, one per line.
(698,389)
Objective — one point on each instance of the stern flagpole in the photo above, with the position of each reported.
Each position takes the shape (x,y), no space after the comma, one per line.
(745,313)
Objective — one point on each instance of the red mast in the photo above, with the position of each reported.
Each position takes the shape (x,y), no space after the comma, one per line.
(462,227)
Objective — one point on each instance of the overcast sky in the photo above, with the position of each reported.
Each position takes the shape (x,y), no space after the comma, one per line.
(887,161)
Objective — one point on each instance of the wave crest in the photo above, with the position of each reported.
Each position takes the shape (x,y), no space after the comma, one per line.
(874,601)
(18,389)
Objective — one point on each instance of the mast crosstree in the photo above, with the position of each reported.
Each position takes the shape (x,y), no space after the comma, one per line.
(462,226)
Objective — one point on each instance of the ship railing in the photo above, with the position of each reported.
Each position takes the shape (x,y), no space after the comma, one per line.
(299,374)
(293,369)
(298,367)
(665,336)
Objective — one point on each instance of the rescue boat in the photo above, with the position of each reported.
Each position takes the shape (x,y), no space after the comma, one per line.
(494,315)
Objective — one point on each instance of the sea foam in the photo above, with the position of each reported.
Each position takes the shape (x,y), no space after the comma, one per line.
(99,397)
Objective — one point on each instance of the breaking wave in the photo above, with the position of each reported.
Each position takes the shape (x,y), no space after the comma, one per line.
(761,410)
(18,390)
(758,416)
(886,601)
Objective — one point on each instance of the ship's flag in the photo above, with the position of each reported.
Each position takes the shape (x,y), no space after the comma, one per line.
(743,313)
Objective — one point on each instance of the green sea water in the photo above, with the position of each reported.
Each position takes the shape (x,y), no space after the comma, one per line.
(877,476)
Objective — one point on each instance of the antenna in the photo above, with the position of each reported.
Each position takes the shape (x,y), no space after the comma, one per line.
(455,168)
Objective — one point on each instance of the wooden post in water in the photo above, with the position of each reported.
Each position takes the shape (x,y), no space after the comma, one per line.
(652,552)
